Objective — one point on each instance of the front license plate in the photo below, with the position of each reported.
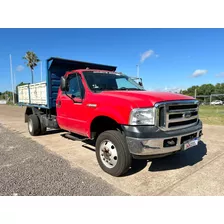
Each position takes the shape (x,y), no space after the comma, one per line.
(191,143)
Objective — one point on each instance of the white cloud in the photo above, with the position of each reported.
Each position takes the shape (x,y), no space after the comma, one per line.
(199,72)
(172,89)
(220,74)
(19,68)
(146,55)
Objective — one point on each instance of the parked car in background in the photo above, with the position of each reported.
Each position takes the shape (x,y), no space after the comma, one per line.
(217,102)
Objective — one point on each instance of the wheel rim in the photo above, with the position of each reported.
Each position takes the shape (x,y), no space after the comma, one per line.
(30,125)
(108,154)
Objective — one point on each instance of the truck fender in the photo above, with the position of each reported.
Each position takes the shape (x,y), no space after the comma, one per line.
(110,113)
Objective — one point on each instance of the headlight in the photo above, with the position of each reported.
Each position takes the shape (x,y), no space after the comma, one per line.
(144,116)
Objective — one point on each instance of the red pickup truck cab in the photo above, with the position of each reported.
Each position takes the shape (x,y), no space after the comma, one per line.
(124,120)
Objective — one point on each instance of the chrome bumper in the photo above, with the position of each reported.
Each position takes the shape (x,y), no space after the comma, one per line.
(155,146)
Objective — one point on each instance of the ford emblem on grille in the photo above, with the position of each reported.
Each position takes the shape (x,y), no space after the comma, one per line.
(187,115)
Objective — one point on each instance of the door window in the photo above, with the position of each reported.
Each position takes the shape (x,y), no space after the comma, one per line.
(75,86)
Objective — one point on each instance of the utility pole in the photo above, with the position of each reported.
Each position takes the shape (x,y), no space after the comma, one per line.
(137,71)
(10,58)
(195,93)
(41,71)
(15,81)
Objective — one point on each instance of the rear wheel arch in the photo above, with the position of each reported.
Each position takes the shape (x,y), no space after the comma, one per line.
(33,111)
(28,112)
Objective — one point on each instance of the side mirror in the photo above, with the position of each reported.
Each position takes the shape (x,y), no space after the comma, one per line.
(140,83)
(64,84)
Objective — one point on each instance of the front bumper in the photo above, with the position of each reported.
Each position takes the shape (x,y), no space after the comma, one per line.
(155,143)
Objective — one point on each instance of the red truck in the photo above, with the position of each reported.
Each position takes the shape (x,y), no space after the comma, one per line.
(124,120)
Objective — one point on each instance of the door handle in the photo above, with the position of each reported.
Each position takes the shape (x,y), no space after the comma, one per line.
(58,103)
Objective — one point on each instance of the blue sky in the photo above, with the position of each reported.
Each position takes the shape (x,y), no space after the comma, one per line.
(169,58)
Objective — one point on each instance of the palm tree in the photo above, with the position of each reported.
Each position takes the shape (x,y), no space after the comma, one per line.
(31,61)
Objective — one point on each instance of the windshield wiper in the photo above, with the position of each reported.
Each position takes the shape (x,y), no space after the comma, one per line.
(103,89)
(111,89)
(124,88)
(98,90)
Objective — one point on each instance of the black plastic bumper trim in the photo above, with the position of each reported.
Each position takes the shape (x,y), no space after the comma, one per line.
(155,132)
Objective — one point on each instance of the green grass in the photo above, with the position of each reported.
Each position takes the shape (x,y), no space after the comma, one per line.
(11,103)
(212,114)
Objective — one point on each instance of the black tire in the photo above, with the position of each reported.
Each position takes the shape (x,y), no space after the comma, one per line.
(124,158)
(33,120)
(43,129)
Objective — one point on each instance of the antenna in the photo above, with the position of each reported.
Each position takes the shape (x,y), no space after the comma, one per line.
(137,71)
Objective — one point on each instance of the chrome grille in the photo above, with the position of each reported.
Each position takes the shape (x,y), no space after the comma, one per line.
(174,115)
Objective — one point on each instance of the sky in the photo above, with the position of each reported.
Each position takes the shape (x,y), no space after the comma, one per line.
(169,59)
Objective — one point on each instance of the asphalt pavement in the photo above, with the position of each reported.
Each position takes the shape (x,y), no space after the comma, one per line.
(28,168)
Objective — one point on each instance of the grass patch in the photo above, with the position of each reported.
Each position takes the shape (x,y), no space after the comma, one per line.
(212,114)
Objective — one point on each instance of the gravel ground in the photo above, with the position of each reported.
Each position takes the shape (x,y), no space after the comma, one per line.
(27,168)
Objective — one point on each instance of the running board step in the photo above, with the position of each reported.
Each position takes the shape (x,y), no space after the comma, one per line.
(75,138)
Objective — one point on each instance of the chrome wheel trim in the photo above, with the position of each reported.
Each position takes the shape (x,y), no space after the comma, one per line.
(108,154)
(30,125)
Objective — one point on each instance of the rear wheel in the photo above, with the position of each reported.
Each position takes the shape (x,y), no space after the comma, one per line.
(112,153)
(34,125)
(43,129)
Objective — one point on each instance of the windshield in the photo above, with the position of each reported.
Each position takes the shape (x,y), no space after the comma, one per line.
(102,81)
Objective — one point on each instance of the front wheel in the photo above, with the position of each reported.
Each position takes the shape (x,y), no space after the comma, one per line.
(112,153)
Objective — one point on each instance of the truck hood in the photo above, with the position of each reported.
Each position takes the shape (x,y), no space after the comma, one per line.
(145,98)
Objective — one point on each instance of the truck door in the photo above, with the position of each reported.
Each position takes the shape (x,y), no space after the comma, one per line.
(72,104)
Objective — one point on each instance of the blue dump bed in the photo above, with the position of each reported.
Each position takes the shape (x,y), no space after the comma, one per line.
(57,67)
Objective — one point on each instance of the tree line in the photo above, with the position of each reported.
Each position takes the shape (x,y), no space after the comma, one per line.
(205,89)
(7,95)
